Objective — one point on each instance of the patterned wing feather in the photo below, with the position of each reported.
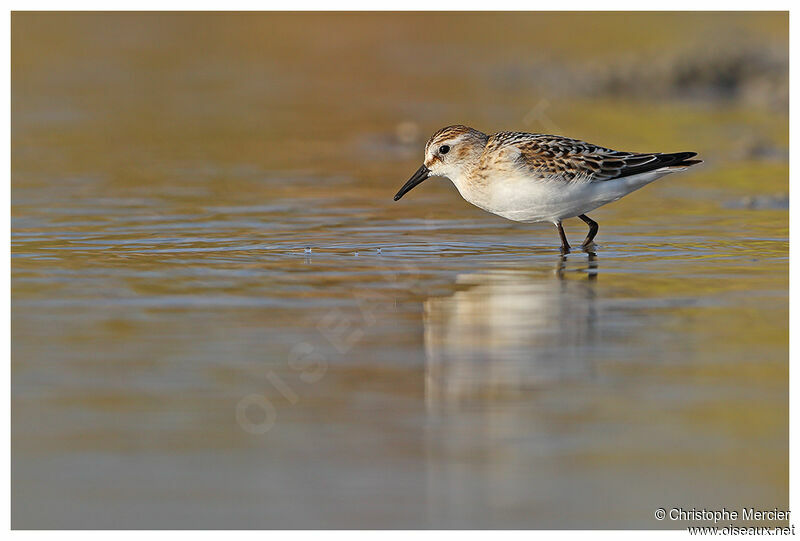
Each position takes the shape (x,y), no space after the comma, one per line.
(559,158)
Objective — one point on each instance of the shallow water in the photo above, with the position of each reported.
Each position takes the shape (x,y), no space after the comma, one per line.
(221,319)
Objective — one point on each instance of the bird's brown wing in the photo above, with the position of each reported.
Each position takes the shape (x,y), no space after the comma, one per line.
(553,157)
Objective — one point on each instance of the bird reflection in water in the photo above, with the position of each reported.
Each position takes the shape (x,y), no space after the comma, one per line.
(504,332)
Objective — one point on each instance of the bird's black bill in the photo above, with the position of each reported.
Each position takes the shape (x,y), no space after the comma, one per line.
(421,174)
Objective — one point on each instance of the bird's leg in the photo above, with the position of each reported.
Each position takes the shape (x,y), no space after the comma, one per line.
(564,243)
(593,227)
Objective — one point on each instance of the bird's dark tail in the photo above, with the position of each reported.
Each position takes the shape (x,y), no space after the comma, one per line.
(643,163)
(679,159)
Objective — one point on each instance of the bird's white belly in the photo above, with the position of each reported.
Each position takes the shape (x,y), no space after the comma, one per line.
(524,199)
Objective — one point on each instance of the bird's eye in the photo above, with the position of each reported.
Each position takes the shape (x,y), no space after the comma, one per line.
(444,149)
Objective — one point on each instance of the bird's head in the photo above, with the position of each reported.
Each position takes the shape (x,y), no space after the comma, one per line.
(450,152)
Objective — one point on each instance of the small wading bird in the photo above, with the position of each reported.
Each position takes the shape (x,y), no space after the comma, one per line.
(531,177)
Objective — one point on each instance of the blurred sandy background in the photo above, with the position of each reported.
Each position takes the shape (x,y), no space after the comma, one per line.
(170,169)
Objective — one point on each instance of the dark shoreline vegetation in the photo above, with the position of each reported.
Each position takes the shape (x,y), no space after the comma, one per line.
(744,73)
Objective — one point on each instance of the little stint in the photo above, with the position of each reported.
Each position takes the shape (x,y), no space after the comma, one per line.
(532,177)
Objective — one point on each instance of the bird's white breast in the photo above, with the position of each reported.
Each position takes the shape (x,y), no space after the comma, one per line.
(526,199)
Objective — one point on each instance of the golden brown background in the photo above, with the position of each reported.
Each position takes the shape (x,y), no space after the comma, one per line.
(425,364)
